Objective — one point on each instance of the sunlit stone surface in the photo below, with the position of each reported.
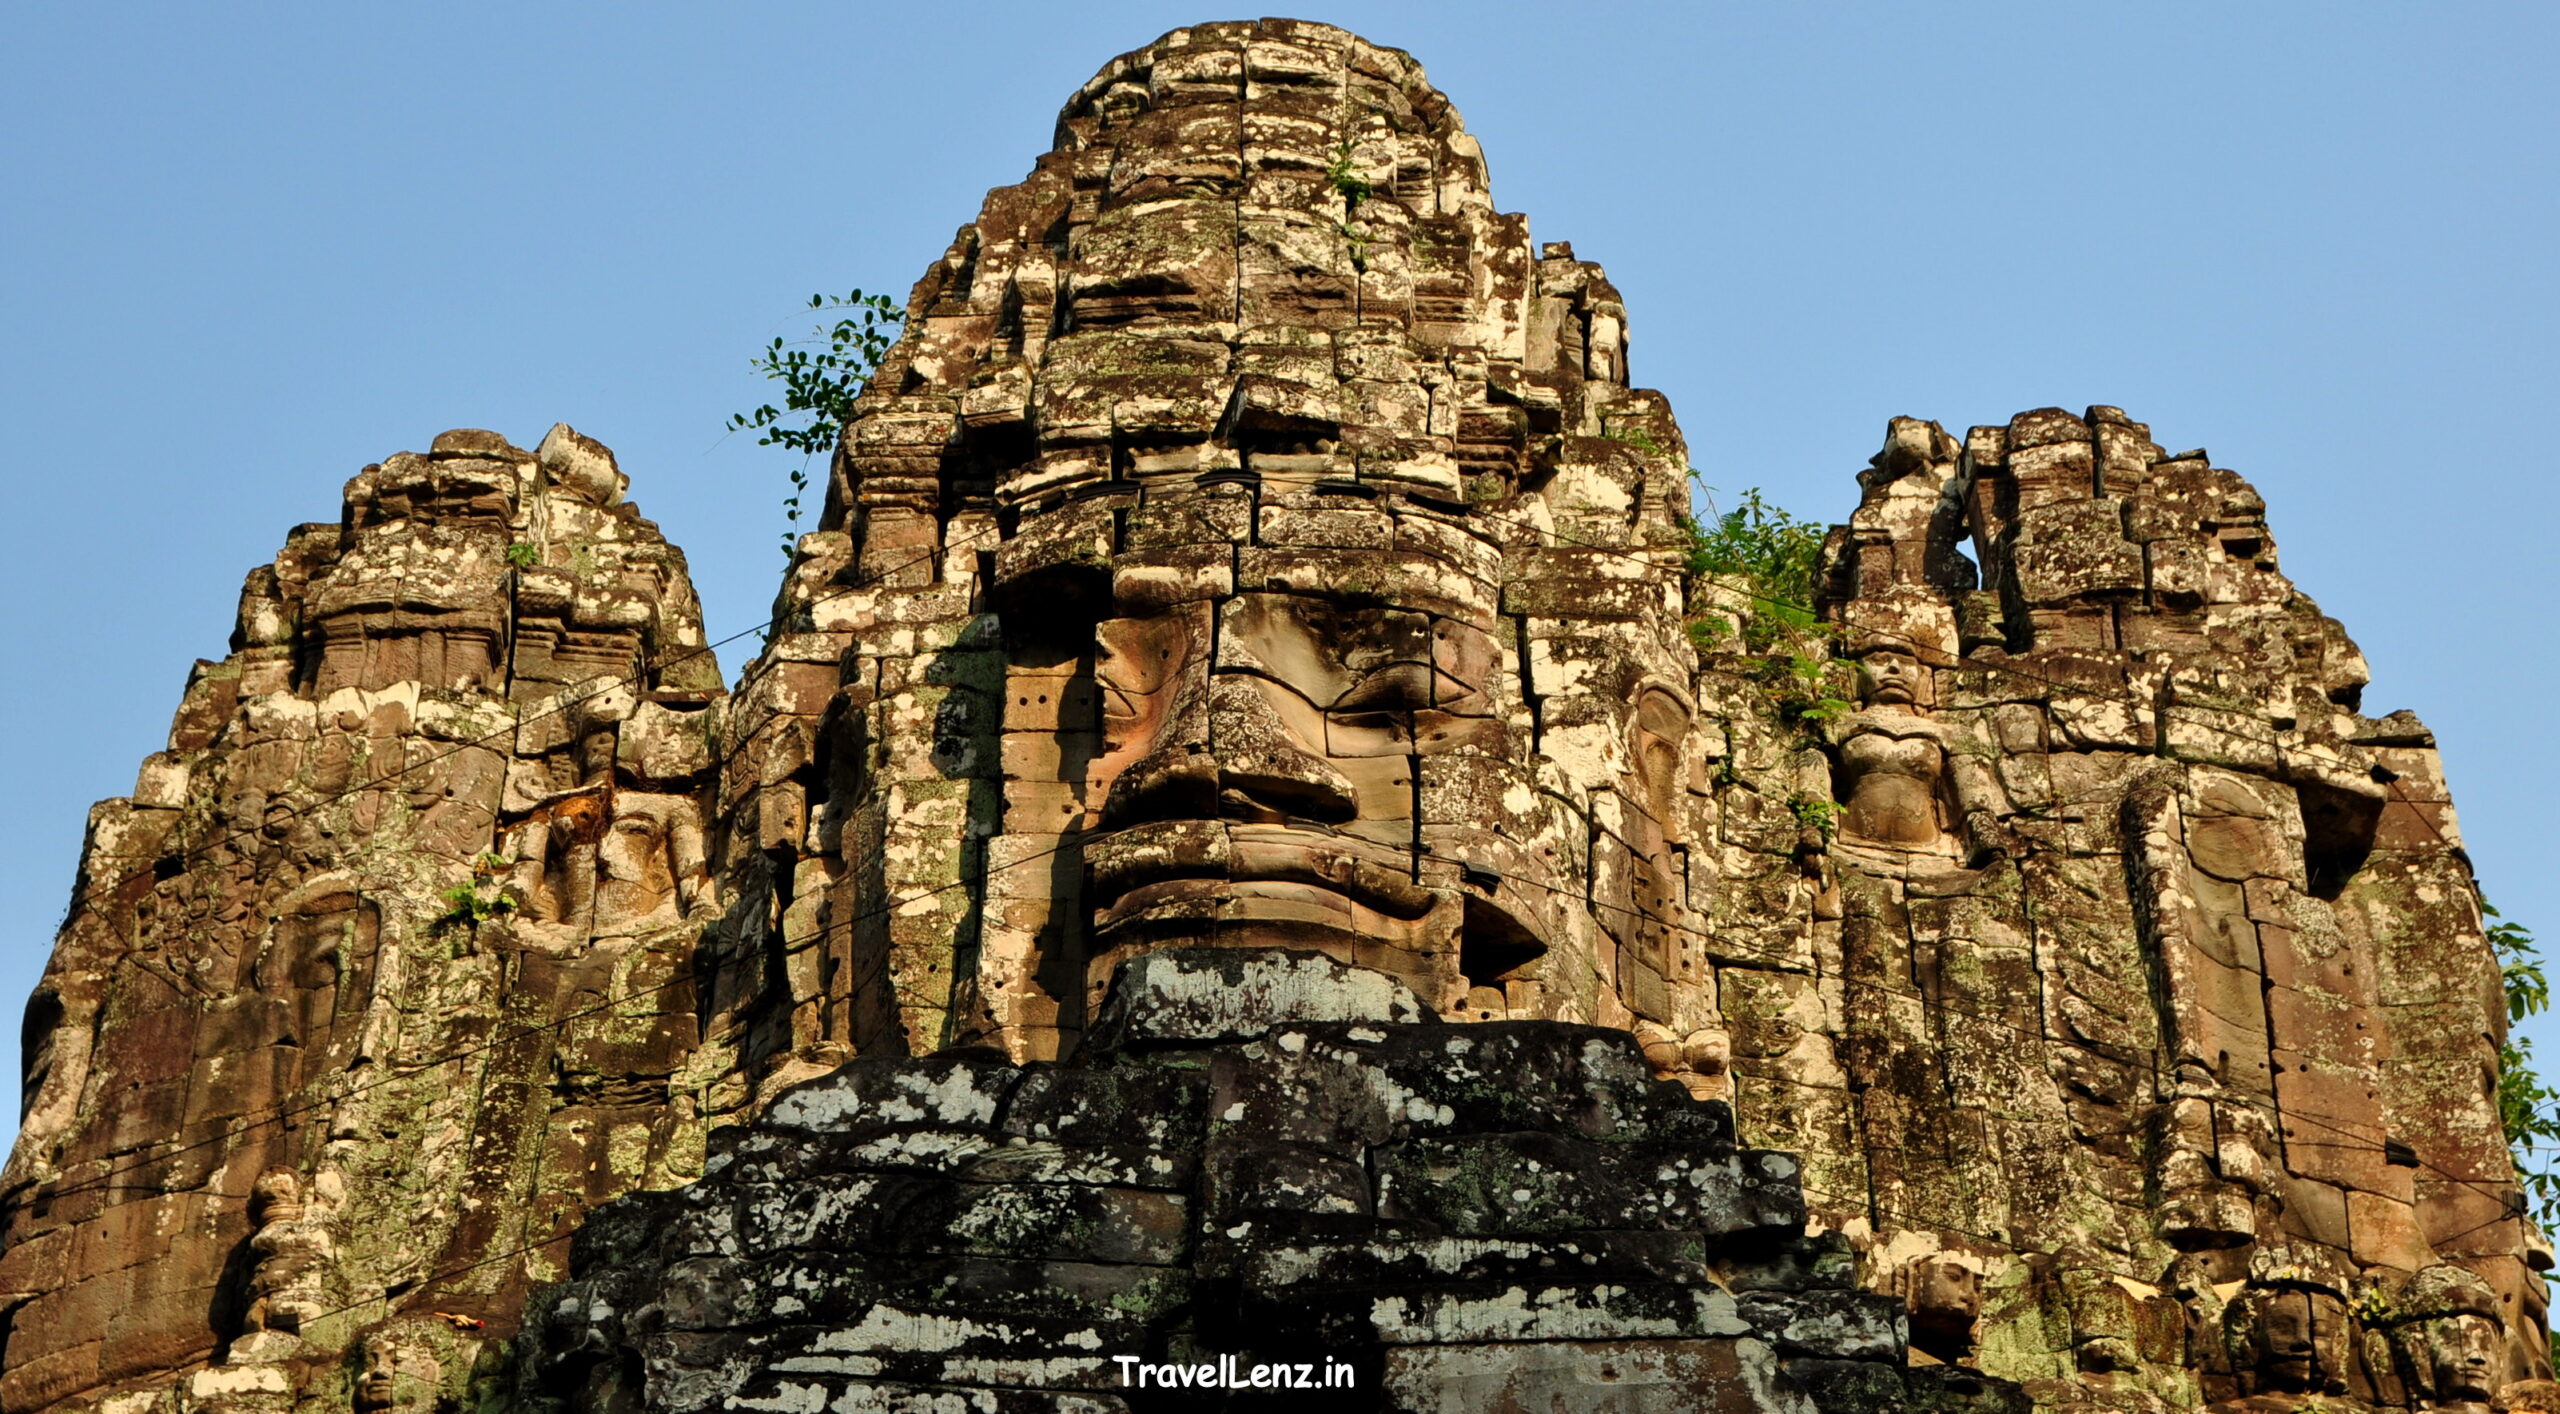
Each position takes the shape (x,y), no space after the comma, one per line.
(1249,839)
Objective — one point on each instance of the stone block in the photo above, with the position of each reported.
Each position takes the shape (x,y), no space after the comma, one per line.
(1492,1185)
(1839,1325)
(871,1096)
(1194,996)
(1471,1314)
(1592,1377)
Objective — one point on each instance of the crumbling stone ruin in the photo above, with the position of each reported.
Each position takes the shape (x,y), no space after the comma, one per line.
(384,973)
(1250,841)
(1262,1159)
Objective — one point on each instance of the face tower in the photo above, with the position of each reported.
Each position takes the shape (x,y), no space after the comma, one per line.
(1254,624)
(1254,540)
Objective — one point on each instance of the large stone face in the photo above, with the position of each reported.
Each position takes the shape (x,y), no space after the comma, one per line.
(1255,542)
(2142,981)
(325,1044)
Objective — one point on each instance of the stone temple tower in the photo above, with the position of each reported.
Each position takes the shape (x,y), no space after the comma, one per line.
(1256,852)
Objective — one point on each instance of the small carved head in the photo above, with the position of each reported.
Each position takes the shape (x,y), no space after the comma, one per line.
(2291,1339)
(1891,675)
(396,1374)
(2451,1347)
(1944,1294)
(276,1196)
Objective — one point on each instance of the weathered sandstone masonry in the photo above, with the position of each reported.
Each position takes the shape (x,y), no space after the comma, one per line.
(281,1087)
(1254,561)
(1265,1155)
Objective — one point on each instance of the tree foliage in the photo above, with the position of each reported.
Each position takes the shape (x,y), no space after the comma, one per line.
(2528,1108)
(1770,557)
(820,377)
(1768,554)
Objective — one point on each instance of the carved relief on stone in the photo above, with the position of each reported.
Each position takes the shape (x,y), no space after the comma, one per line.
(1943,1293)
(293,1244)
(2193,1009)
(399,1370)
(1257,773)
(2290,1339)
(1700,1062)
(602,847)
(291,1003)
(2447,1335)
(1315,584)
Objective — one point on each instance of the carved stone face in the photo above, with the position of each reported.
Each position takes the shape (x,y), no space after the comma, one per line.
(649,849)
(376,1387)
(277,1195)
(1892,677)
(595,756)
(1329,563)
(1257,765)
(1945,1292)
(2296,1340)
(2463,1351)
(395,1375)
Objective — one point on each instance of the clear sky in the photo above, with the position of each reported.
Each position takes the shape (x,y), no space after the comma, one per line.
(252,248)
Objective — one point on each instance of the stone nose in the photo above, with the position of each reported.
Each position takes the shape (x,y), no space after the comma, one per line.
(1250,767)
(1262,768)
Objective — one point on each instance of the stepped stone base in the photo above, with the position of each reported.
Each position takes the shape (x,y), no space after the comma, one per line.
(1267,1167)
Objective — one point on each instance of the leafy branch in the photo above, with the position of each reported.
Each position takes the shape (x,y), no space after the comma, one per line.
(1808,688)
(1814,813)
(820,377)
(2528,1109)
(1346,178)
(1771,557)
(1770,554)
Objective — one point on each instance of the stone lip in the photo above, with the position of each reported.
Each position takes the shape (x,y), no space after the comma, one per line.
(1194,996)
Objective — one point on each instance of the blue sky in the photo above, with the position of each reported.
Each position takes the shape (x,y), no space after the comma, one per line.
(253,249)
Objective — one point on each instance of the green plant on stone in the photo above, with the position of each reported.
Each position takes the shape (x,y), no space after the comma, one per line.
(2528,1109)
(482,900)
(820,377)
(524,556)
(470,905)
(1768,554)
(1814,813)
(1770,557)
(1354,189)
(1805,688)
(1637,438)
(1346,178)
(2373,1305)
